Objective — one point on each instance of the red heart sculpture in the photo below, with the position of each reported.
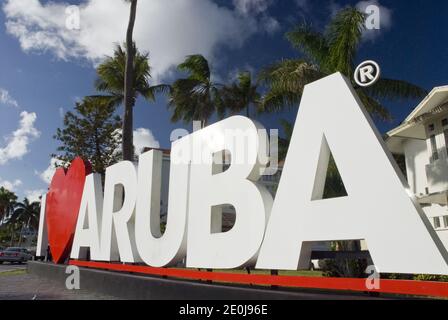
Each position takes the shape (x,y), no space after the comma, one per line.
(62,207)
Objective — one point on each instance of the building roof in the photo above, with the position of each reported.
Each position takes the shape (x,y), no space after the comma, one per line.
(166,152)
(434,99)
(412,127)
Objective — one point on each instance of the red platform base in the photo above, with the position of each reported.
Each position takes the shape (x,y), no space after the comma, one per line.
(400,287)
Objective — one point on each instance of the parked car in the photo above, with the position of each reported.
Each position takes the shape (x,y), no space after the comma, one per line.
(14,254)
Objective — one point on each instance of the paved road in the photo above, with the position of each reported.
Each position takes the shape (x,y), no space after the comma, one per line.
(30,287)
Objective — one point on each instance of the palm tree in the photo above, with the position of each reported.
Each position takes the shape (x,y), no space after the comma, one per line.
(197,97)
(129,89)
(325,53)
(27,212)
(283,143)
(241,95)
(111,76)
(25,215)
(7,201)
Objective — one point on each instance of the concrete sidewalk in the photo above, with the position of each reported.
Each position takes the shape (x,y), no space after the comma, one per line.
(133,286)
(25,286)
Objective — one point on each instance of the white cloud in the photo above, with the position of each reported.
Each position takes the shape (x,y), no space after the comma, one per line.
(334,8)
(247,7)
(303,4)
(48,173)
(17,143)
(385,18)
(143,138)
(10,185)
(258,8)
(169,30)
(270,24)
(7,99)
(34,195)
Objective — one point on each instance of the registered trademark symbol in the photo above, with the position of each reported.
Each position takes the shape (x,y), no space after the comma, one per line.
(367,73)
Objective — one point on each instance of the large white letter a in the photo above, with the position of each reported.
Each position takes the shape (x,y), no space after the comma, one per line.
(378,207)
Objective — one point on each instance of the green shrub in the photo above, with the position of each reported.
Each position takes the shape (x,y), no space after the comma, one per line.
(426,277)
(344,268)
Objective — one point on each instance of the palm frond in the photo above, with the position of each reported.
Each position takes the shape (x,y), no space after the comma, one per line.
(396,90)
(197,66)
(344,34)
(287,79)
(162,88)
(373,106)
(313,44)
(290,75)
(195,97)
(105,100)
(111,74)
(284,142)
(277,100)
(241,95)
(244,80)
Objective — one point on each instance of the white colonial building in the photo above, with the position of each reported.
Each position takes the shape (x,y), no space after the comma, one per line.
(423,141)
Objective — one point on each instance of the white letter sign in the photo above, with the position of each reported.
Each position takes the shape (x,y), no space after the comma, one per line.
(87,234)
(155,249)
(378,208)
(236,186)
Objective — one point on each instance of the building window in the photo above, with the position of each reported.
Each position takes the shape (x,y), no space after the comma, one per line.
(431,127)
(435,154)
(436,222)
(445,134)
(445,122)
(445,221)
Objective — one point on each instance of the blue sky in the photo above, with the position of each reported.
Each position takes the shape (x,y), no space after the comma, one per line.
(45,68)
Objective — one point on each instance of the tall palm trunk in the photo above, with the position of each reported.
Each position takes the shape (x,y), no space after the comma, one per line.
(20,237)
(12,236)
(129,94)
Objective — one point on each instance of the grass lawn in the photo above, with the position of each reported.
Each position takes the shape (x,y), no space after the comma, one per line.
(268,272)
(13,273)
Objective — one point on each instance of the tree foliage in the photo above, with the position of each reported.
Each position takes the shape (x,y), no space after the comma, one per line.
(110,83)
(241,95)
(92,132)
(334,50)
(111,77)
(196,97)
(7,201)
(26,213)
